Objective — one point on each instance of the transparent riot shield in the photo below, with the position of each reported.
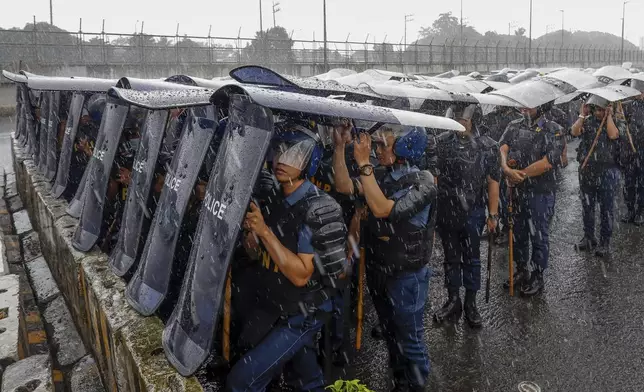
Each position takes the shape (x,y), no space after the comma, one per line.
(42,127)
(67,148)
(149,285)
(98,173)
(52,136)
(45,128)
(136,208)
(29,121)
(188,335)
(19,113)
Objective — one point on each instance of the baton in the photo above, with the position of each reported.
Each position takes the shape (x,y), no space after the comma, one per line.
(511,242)
(226,327)
(490,241)
(361,271)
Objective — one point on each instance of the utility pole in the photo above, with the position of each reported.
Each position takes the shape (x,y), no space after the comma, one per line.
(51,12)
(562,27)
(461,22)
(276,9)
(530,38)
(326,60)
(261,23)
(623,20)
(408,18)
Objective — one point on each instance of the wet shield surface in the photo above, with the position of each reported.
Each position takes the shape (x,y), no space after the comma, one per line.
(98,173)
(123,256)
(52,136)
(66,151)
(30,120)
(38,141)
(188,335)
(149,285)
(45,128)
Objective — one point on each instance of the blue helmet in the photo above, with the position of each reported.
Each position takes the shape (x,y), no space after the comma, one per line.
(297,146)
(96,107)
(410,142)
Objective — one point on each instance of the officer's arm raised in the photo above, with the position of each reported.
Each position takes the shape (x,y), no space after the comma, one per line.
(343,183)
(298,268)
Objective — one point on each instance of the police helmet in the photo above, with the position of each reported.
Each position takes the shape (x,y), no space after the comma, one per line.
(96,107)
(463,112)
(296,145)
(596,100)
(409,142)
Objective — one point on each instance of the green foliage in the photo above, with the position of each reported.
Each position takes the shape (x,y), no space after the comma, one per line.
(348,386)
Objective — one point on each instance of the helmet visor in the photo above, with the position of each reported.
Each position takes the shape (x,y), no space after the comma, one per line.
(296,155)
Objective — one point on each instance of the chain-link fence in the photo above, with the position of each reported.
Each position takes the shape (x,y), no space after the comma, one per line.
(47,48)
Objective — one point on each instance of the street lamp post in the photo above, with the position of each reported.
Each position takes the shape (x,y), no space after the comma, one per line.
(623,20)
(276,9)
(51,12)
(562,27)
(530,38)
(261,23)
(461,22)
(408,18)
(326,60)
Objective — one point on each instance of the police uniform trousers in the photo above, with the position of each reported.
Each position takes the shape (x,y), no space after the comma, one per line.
(599,186)
(399,300)
(289,347)
(634,184)
(534,212)
(461,240)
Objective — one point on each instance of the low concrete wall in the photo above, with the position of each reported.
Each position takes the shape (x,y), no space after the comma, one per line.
(127,346)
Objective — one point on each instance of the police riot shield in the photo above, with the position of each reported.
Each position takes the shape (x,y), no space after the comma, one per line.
(29,120)
(19,113)
(67,147)
(76,204)
(149,285)
(36,146)
(45,128)
(52,136)
(123,256)
(189,332)
(98,173)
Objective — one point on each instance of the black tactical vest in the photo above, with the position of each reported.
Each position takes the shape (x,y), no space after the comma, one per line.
(276,290)
(397,247)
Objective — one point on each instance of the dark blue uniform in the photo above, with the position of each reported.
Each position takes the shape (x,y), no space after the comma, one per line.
(534,198)
(599,180)
(634,172)
(464,164)
(397,270)
(280,321)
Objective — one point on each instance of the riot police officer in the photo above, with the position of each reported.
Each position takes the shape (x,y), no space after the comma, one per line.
(468,173)
(297,239)
(531,148)
(599,173)
(634,171)
(400,199)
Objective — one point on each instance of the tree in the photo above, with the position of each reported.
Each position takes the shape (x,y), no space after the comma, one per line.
(446,24)
(271,46)
(520,32)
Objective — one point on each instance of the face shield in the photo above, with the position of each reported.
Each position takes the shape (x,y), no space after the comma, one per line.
(293,147)
(461,113)
(596,101)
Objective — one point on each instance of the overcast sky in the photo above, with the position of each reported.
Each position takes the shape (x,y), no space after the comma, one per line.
(304,17)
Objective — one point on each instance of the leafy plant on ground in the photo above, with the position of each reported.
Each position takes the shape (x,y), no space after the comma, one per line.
(348,386)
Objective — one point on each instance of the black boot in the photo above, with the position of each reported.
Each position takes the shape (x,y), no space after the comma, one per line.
(603,250)
(452,309)
(586,244)
(534,285)
(521,275)
(472,315)
(638,219)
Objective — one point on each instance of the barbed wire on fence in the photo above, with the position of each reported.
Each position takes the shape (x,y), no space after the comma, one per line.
(51,48)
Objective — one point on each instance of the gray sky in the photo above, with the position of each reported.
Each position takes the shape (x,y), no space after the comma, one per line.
(357,17)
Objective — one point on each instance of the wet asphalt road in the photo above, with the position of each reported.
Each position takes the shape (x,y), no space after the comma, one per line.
(585,332)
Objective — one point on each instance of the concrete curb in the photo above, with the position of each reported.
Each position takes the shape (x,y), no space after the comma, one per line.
(127,346)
